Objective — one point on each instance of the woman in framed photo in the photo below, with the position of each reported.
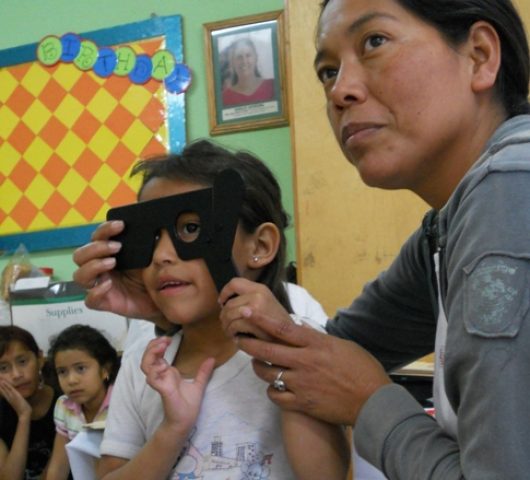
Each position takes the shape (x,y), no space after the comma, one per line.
(244,82)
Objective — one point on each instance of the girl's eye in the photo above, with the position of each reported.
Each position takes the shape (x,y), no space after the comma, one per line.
(188,227)
(60,372)
(4,368)
(81,368)
(22,361)
(325,74)
(191,228)
(374,41)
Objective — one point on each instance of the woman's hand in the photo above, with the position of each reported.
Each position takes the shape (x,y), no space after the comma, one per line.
(240,298)
(181,398)
(17,401)
(325,377)
(122,293)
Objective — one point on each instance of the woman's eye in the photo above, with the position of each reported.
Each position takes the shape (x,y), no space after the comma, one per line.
(326,73)
(374,41)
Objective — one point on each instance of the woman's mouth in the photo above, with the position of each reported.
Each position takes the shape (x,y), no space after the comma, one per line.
(355,133)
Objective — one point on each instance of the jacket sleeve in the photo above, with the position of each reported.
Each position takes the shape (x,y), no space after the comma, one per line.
(487,359)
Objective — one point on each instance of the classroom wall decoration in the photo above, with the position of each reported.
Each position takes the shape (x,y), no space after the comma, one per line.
(76,112)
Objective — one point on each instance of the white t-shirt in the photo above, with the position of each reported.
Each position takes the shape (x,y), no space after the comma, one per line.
(237,434)
(303,304)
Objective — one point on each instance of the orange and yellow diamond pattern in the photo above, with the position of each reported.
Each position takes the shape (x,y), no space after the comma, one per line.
(68,141)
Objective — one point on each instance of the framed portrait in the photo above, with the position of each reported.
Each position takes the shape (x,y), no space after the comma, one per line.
(246,73)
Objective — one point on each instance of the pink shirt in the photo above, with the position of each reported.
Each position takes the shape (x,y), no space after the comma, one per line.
(263,93)
(69,417)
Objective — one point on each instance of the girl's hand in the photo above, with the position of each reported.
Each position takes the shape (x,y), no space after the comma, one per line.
(122,293)
(181,398)
(17,401)
(242,298)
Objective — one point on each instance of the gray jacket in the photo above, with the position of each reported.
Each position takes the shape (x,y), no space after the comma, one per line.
(483,234)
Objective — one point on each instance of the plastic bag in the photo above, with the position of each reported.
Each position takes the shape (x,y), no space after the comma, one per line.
(18,267)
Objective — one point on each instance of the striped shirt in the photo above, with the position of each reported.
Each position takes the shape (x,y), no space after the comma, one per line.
(69,417)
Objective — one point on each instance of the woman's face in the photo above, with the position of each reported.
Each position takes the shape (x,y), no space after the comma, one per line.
(244,60)
(398,96)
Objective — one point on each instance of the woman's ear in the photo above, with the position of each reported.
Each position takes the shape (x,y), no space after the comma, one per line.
(485,53)
(265,245)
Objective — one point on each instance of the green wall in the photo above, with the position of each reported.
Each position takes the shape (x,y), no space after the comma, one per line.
(28,21)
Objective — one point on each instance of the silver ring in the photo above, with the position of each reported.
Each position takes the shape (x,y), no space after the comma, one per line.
(96,282)
(278,383)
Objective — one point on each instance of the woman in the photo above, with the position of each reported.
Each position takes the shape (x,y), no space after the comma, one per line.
(430,96)
(247,84)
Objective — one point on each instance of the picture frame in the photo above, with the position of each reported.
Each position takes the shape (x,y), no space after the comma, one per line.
(245,66)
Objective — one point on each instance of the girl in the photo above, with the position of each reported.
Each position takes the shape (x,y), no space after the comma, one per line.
(26,407)
(204,413)
(86,365)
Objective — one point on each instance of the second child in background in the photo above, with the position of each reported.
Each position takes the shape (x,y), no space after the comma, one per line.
(86,365)
(203,413)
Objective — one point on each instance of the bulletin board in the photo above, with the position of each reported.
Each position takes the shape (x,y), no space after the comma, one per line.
(69,138)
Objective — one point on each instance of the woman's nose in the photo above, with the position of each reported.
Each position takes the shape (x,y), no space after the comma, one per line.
(349,87)
(164,249)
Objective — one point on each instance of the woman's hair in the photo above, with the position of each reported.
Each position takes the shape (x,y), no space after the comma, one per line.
(200,162)
(232,48)
(91,341)
(454,18)
(12,333)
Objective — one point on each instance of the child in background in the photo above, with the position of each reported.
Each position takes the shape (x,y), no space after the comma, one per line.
(26,407)
(86,365)
(204,414)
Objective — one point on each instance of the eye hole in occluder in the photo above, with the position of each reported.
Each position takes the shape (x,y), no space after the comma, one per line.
(188,227)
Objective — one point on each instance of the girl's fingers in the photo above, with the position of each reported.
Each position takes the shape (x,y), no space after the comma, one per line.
(205,372)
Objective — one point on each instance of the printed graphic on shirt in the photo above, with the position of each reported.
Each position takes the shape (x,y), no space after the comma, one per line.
(496,296)
(222,460)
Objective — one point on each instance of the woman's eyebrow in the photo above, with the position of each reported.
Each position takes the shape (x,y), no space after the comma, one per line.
(354,27)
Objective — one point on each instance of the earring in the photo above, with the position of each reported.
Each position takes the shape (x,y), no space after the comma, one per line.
(255,258)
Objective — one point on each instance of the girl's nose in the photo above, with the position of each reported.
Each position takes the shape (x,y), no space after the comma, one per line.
(16,372)
(164,249)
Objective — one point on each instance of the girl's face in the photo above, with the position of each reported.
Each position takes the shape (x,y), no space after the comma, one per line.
(399,98)
(184,290)
(21,368)
(81,377)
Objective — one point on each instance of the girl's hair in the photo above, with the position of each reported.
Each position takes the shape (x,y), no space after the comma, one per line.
(200,162)
(454,18)
(90,340)
(12,333)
